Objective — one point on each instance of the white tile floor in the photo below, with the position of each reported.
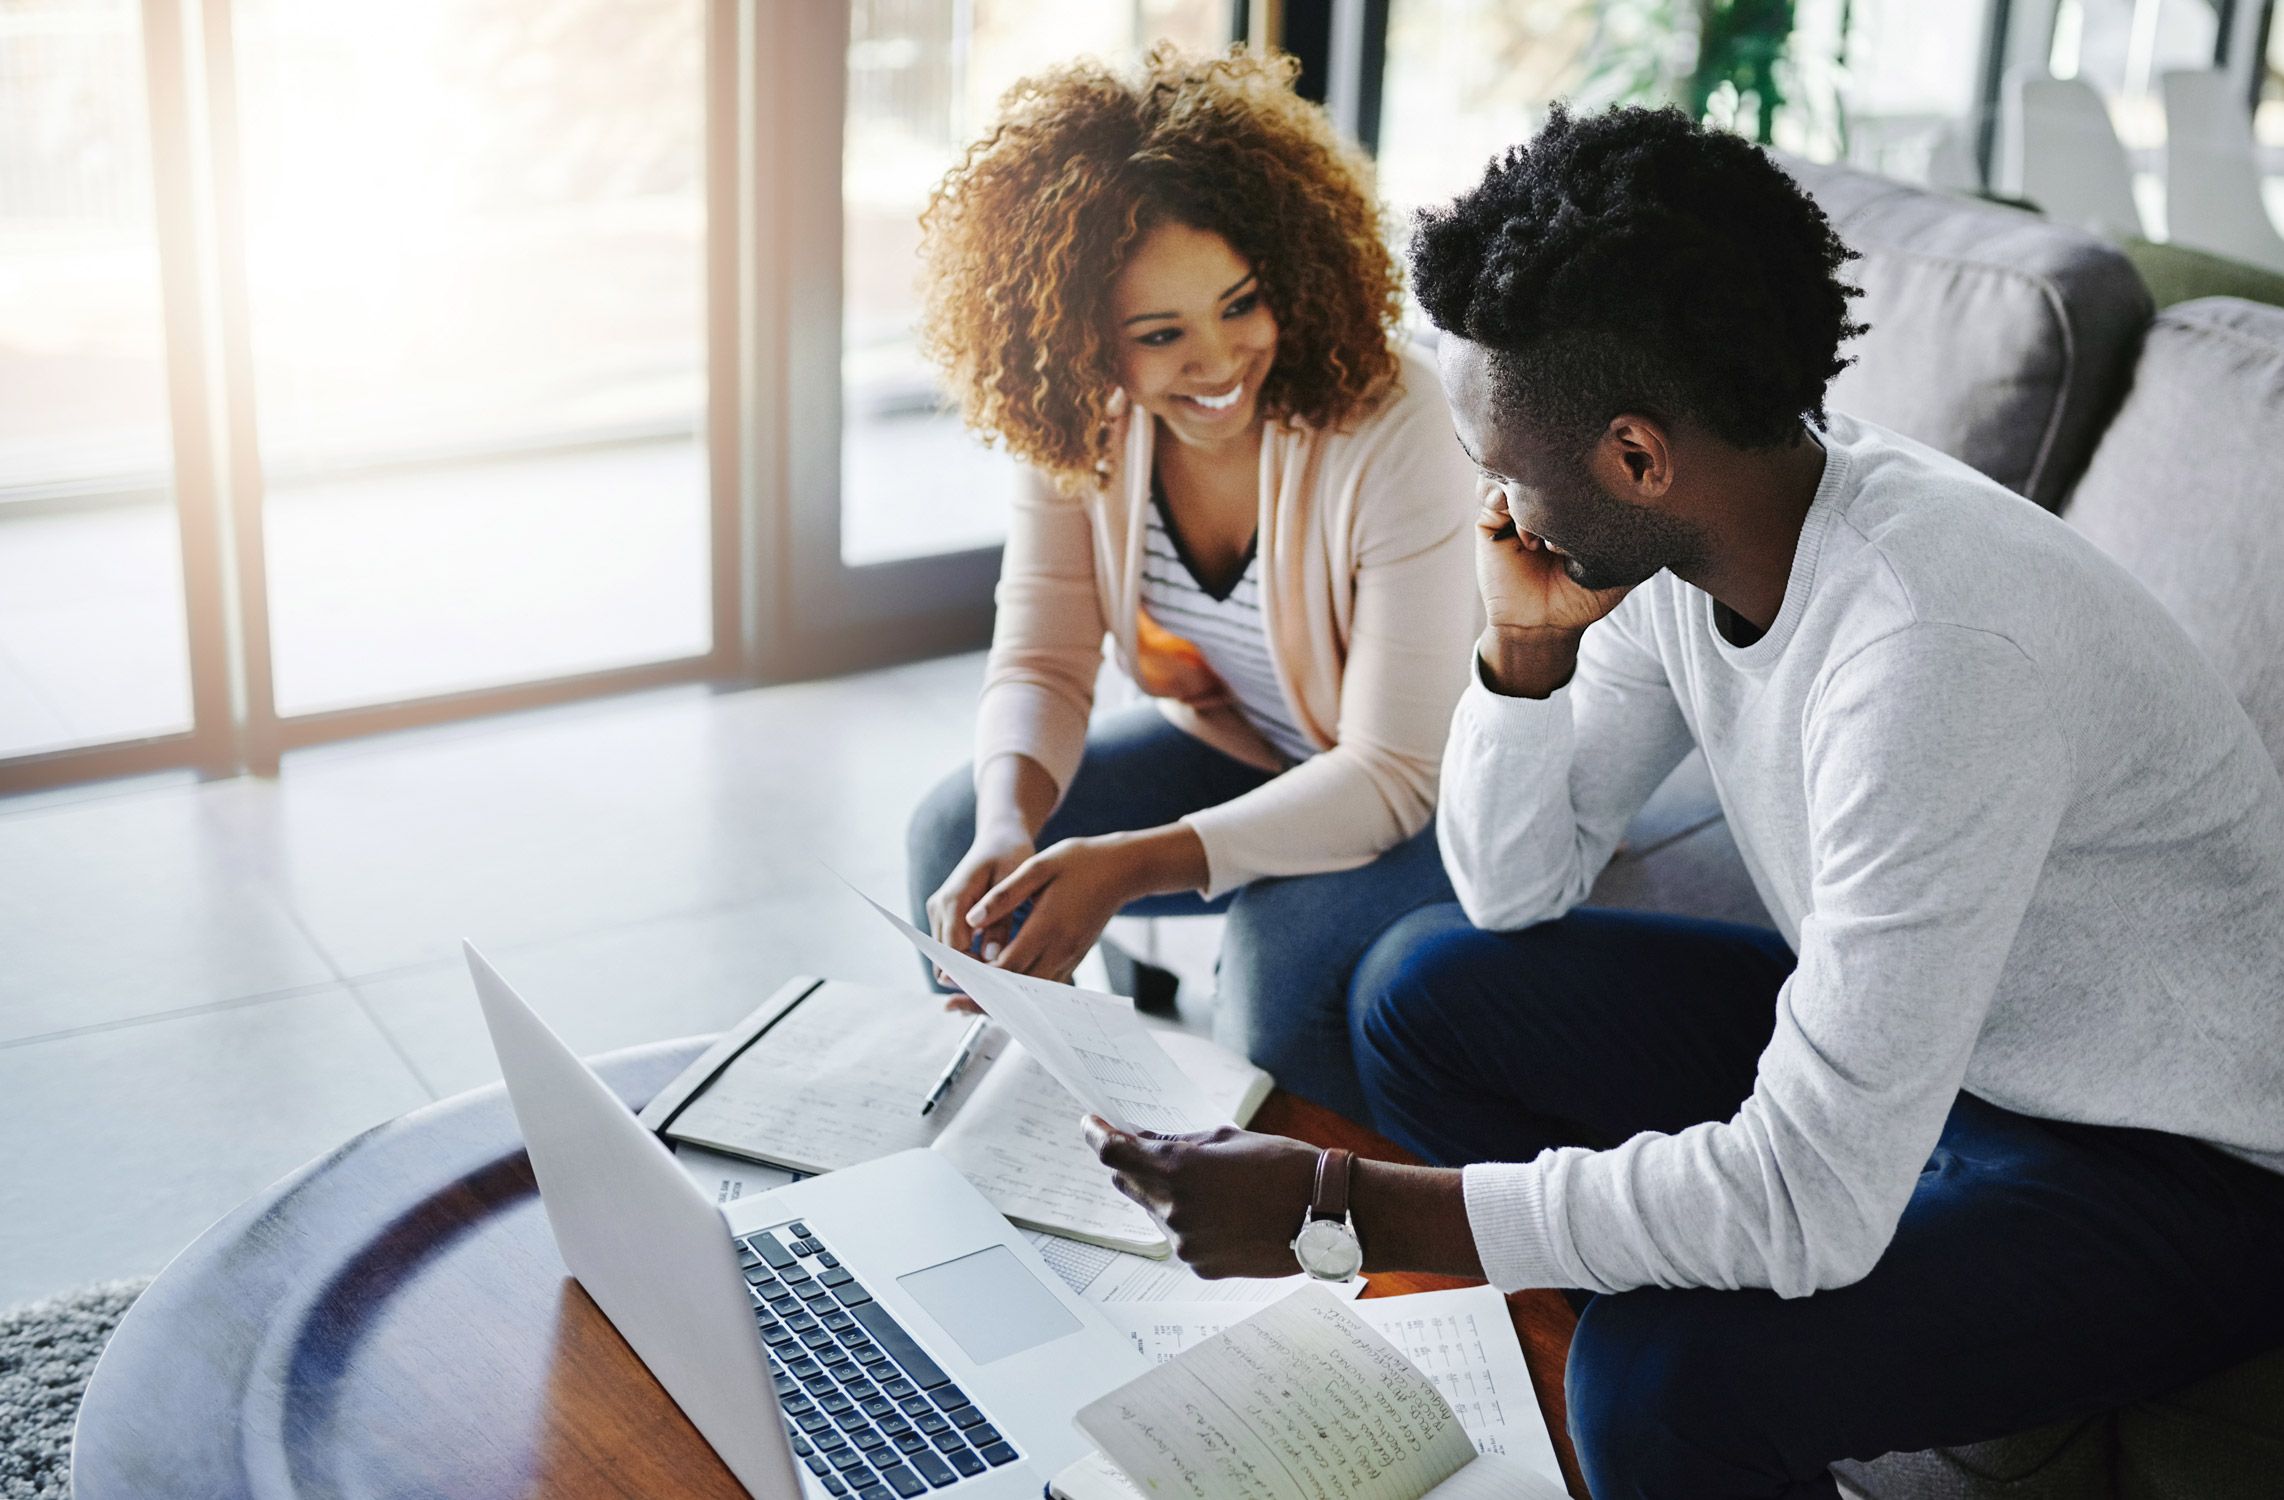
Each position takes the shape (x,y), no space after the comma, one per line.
(204,985)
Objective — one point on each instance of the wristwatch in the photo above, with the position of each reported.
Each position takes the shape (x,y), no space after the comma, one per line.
(1327,1247)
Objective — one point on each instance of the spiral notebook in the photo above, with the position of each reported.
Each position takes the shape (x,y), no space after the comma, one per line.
(827,1074)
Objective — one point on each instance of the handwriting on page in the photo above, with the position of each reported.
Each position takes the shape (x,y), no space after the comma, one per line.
(1300,1402)
(834,1083)
(1092,1044)
(1462,1340)
(1019,1143)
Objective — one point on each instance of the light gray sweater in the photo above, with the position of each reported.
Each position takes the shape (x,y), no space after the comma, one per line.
(2021,836)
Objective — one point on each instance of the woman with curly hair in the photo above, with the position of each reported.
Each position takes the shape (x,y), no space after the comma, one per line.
(1168,295)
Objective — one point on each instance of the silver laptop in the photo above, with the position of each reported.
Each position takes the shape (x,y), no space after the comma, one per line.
(878,1332)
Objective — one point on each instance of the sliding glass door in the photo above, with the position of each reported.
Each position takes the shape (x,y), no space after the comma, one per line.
(365,366)
(474,259)
(93,645)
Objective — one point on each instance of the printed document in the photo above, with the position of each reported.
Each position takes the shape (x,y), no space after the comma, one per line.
(1094,1045)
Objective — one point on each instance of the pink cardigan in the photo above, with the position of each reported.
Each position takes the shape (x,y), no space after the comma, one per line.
(1368,596)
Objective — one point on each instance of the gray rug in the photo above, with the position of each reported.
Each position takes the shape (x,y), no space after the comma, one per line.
(47,1351)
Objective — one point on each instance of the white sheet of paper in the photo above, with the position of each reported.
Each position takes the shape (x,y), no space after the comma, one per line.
(838,1080)
(1094,1045)
(1104,1275)
(1017,1138)
(1299,1398)
(1461,1340)
(727,1179)
(1019,1142)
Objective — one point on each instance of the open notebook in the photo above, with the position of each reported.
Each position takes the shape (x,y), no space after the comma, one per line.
(1301,1401)
(826,1074)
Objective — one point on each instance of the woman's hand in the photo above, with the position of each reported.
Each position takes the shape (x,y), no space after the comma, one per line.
(1229,1200)
(1167,666)
(997,853)
(1076,887)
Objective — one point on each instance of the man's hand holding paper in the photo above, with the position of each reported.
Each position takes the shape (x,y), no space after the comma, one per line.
(1229,1200)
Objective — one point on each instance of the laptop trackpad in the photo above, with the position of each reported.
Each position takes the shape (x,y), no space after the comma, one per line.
(990,1303)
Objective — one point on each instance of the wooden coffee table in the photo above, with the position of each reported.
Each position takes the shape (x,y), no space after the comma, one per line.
(393,1319)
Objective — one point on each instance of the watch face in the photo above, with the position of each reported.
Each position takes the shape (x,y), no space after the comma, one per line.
(1327,1248)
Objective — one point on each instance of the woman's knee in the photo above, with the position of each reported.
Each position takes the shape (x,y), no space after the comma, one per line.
(1278,996)
(941,829)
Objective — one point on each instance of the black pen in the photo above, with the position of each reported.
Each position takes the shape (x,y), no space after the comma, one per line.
(958,1065)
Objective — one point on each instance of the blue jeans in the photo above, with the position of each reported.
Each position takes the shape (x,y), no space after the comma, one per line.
(1290,943)
(2042,1271)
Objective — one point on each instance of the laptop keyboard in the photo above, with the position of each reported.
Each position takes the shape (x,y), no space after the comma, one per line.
(870,1414)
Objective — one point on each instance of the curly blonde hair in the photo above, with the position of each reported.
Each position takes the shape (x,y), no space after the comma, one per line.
(1023,239)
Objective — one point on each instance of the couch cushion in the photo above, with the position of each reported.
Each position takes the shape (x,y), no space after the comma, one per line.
(1996,336)
(2066,1461)
(2221,1438)
(2187,490)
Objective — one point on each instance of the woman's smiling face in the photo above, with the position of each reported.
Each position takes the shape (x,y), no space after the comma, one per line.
(1194,335)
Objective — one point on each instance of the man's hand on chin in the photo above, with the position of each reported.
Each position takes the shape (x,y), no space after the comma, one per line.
(1229,1200)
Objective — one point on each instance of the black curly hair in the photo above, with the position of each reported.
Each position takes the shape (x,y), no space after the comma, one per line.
(1635,261)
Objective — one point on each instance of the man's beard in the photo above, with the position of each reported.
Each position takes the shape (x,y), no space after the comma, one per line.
(1618,545)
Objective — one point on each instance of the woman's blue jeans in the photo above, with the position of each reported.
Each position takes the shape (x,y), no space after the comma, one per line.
(1290,943)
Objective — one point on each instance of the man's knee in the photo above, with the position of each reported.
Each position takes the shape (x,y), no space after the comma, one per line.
(1410,987)
(1670,1393)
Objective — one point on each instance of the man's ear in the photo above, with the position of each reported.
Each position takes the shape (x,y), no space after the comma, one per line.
(1634,459)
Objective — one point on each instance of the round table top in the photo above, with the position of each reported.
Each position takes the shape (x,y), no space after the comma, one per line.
(393,1319)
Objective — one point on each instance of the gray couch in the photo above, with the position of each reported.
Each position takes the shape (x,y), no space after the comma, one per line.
(2029,351)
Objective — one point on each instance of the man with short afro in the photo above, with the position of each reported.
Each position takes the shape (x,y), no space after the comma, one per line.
(1986,1133)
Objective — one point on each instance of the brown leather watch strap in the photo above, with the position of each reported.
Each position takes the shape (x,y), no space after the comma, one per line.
(1330,1200)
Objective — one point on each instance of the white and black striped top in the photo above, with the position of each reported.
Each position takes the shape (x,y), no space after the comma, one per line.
(1226,628)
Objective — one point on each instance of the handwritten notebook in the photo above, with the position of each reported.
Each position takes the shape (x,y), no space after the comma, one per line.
(827,1074)
(1462,1340)
(1301,1401)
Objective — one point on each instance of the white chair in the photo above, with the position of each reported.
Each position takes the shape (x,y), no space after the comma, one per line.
(2212,178)
(2063,154)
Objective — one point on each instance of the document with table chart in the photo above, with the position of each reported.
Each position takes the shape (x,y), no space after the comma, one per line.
(1094,1045)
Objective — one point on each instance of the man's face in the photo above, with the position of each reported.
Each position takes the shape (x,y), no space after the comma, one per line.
(1605,540)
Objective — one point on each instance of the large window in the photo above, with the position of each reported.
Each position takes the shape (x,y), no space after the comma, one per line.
(367,365)
(1465,79)
(1910,77)
(475,235)
(353,367)
(92,644)
(2122,48)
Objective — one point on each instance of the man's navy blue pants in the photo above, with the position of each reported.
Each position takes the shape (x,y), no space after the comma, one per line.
(2042,1271)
